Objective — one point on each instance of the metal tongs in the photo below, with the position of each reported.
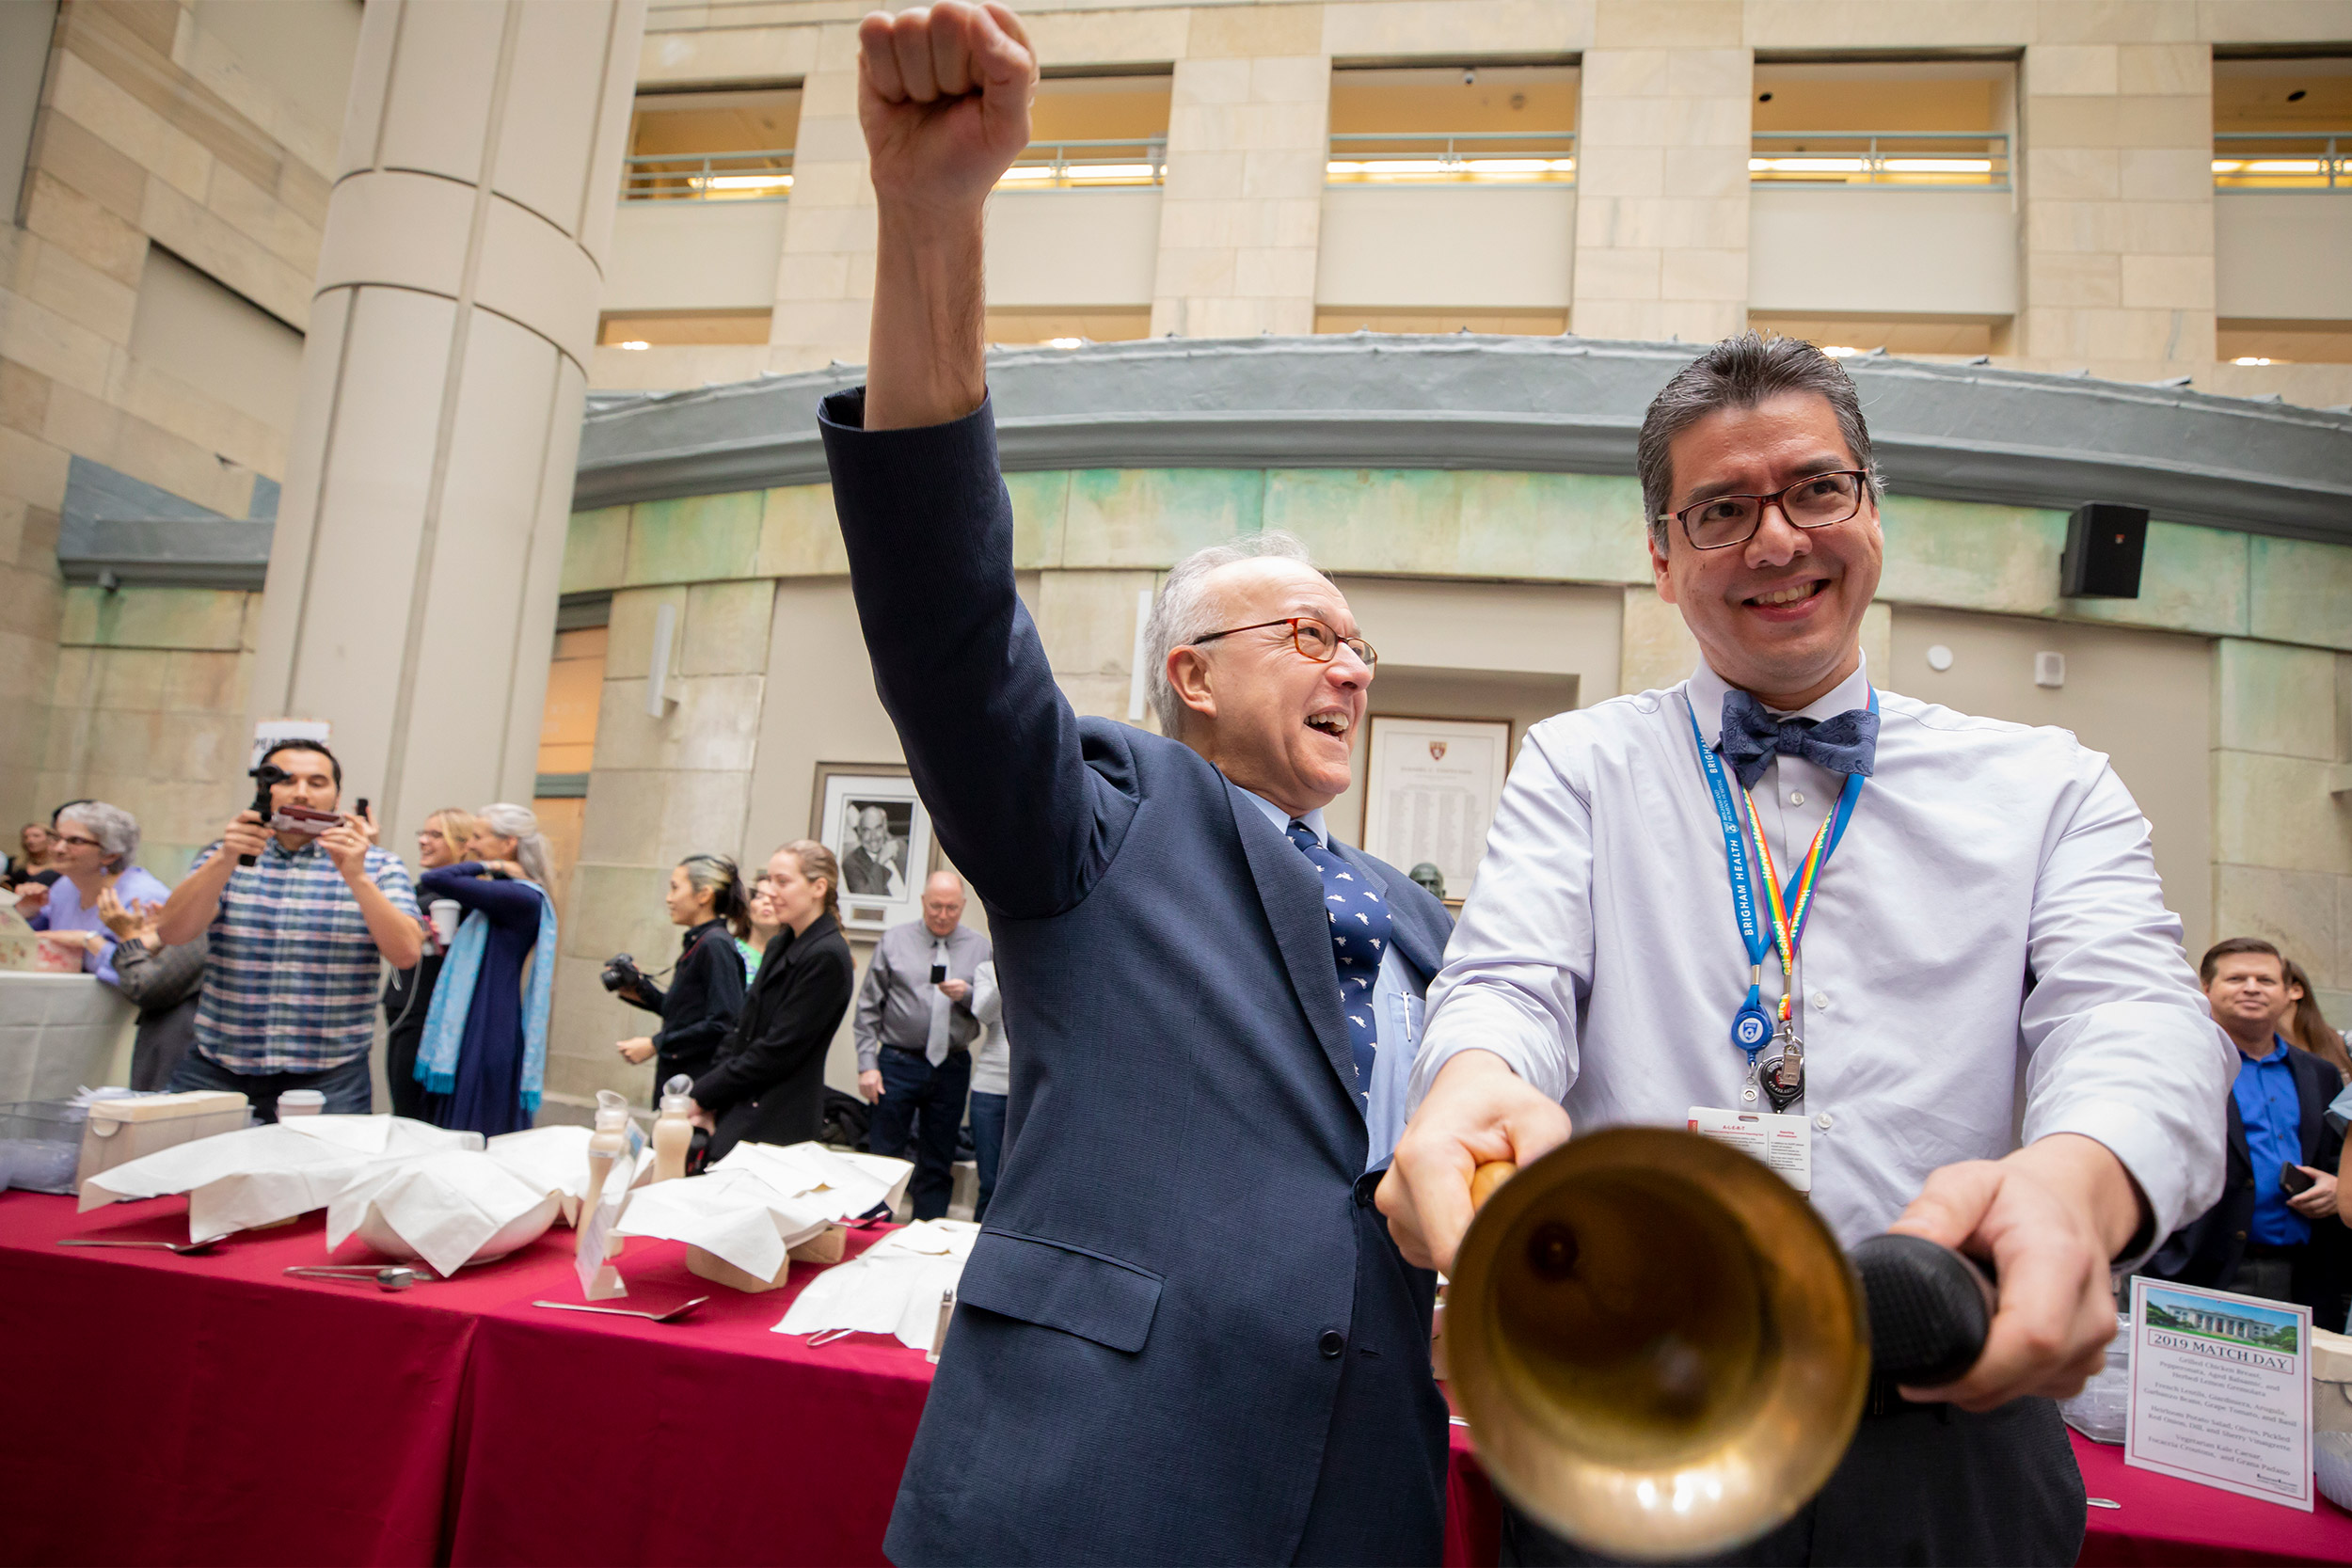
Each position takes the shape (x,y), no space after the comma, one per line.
(383,1276)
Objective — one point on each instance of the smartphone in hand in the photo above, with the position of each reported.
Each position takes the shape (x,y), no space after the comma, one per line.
(939,974)
(2295,1180)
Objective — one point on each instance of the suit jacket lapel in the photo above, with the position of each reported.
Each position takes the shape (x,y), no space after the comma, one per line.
(1292,892)
(1406,932)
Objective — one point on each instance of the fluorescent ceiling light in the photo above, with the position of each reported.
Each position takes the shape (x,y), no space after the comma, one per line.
(636,342)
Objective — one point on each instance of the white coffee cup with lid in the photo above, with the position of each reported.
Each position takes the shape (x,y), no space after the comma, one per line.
(300,1102)
(446,913)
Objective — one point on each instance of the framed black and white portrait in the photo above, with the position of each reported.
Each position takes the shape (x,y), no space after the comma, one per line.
(868,815)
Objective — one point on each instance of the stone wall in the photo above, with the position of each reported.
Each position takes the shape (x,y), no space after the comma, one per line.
(151,131)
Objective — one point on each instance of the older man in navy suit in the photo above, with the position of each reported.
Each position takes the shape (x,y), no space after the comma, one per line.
(1186,1336)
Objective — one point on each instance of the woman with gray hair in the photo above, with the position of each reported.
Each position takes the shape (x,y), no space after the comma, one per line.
(485,1049)
(93,846)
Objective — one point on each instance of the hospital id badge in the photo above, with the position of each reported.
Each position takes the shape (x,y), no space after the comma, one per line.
(1783,1142)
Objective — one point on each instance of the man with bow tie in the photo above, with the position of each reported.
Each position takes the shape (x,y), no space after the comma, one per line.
(1951,967)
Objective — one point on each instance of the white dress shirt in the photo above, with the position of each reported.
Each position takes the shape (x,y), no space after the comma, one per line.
(1599,956)
(1396,996)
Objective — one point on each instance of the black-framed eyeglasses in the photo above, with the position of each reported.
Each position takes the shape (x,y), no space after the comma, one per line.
(1817,501)
(1311,637)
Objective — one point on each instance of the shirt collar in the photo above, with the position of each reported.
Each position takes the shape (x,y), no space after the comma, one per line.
(2278,1052)
(1706,689)
(1282,819)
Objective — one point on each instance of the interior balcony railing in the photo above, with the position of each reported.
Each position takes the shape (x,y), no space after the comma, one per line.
(2283,160)
(1965,159)
(1475,157)
(760,176)
(1061,165)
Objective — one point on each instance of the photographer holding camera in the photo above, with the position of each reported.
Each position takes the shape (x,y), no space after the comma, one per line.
(699,1010)
(295,938)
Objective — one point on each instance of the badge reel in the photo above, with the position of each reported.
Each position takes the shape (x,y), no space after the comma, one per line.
(1750,1029)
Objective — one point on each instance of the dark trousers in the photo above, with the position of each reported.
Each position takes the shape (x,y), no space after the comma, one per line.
(1923,1483)
(924,1104)
(406,1000)
(987,1143)
(348,1088)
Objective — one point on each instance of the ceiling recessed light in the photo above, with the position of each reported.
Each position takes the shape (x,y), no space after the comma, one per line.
(1839,351)
(2250,359)
(636,342)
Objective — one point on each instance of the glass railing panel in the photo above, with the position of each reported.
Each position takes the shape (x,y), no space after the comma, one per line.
(758,176)
(1968,160)
(1515,157)
(1087,165)
(2283,160)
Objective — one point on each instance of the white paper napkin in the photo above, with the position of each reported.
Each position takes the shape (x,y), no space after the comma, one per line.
(260,1175)
(893,1288)
(447,1207)
(762,1200)
(554,1160)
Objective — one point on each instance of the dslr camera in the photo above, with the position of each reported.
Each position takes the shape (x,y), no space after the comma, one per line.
(622,974)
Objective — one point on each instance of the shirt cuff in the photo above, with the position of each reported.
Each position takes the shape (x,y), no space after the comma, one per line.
(869,1057)
(1470,1021)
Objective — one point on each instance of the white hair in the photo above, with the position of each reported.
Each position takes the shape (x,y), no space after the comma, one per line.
(1183,612)
(521,824)
(116,830)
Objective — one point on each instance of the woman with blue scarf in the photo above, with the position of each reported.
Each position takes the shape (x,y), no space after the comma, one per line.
(485,1050)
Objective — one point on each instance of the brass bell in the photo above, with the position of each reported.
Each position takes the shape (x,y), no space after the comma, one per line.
(1660,1347)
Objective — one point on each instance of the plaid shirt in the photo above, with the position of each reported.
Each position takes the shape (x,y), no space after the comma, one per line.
(290,984)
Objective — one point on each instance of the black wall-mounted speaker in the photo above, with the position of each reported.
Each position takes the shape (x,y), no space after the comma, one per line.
(2105,541)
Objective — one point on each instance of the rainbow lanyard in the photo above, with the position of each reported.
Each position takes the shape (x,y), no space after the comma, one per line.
(1750,1026)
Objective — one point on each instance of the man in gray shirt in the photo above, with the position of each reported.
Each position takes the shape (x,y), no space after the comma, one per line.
(914,1031)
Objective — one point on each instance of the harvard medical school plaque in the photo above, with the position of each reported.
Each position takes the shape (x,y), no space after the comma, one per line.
(2221,1391)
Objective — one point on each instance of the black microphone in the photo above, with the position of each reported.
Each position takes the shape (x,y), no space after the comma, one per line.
(1930,1310)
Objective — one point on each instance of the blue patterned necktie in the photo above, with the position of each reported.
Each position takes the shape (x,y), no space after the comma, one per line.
(1359,935)
(1750,739)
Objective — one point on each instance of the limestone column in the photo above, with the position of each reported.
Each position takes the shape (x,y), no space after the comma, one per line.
(1249,130)
(825,275)
(1661,173)
(2118,206)
(413,582)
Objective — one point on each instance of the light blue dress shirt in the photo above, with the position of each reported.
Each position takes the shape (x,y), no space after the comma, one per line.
(1397,997)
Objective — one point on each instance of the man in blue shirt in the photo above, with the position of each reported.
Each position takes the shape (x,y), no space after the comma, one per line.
(2261,1239)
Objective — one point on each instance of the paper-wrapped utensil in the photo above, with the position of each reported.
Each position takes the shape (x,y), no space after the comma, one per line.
(450,1208)
(259,1176)
(761,1205)
(893,1287)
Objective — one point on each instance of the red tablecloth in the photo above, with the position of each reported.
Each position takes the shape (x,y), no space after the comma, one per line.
(212,1409)
(209,1409)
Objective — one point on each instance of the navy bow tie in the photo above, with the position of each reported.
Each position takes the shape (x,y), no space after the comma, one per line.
(1844,743)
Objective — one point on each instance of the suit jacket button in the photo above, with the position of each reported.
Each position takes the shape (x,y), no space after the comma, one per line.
(2241,1235)
(1332,1342)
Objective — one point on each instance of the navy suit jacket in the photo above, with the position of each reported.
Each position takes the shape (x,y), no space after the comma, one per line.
(1184,1310)
(2207,1251)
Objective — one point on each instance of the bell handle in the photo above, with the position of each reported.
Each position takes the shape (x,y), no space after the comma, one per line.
(1486,1178)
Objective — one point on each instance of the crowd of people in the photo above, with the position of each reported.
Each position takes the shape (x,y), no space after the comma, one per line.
(260,973)
(261,970)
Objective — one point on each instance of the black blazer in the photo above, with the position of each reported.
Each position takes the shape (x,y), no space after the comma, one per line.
(2206,1250)
(1184,1311)
(767,1085)
(699,1012)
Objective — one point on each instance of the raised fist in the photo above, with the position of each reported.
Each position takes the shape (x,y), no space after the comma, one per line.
(943,99)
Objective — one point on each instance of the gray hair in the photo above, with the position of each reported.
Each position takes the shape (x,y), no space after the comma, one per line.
(116,830)
(521,824)
(1740,372)
(1181,612)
